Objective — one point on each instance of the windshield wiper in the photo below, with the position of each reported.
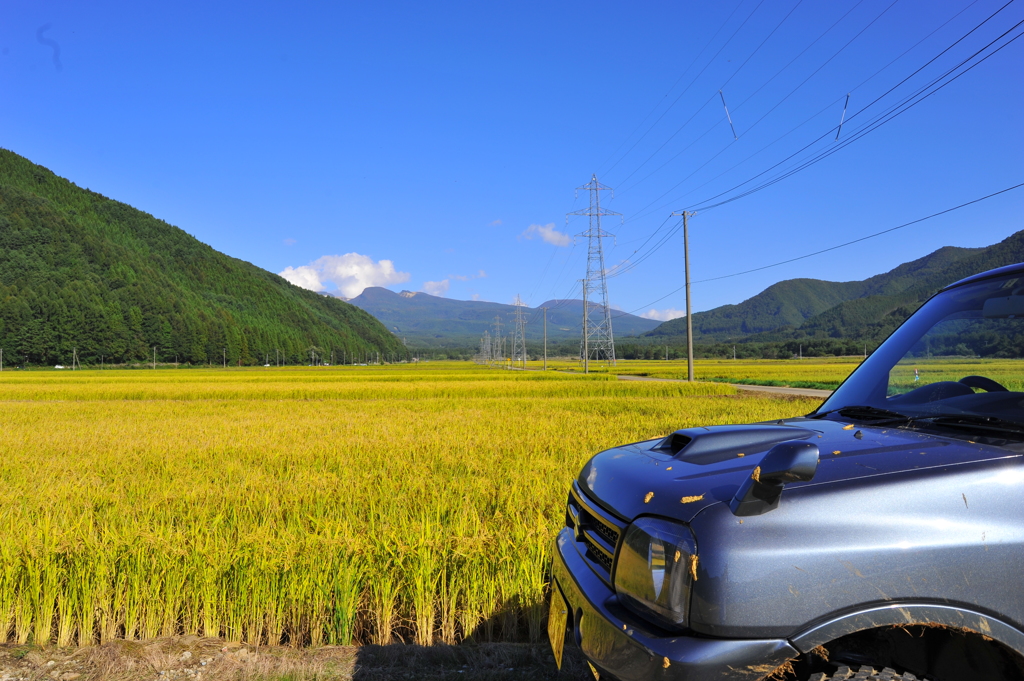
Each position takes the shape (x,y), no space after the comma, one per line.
(970,421)
(865,412)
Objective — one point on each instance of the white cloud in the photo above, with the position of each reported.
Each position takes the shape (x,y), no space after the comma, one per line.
(351,273)
(436,288)
(494,223)
(548,233)
(663,315)
(289,242)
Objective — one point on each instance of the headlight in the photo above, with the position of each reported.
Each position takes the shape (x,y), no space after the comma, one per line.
(656,566)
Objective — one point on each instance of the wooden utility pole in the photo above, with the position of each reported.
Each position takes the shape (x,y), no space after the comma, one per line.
(545,342)
(689,316)
(154,358)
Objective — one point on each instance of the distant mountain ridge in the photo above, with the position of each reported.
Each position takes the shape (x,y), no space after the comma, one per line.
(868,309)
(433,320)
(82,273)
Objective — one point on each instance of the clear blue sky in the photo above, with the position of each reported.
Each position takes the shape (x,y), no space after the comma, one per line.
(434,135)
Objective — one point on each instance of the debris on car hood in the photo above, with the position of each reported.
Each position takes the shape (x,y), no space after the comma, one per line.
(684,473)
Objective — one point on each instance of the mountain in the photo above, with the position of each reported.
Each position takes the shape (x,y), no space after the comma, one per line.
(431,320)
(81,271)
(869,309)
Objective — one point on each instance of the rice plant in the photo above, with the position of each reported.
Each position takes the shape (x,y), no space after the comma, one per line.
(305,506)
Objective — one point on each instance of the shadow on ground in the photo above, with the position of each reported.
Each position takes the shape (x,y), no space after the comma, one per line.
(467,662)
(191,658)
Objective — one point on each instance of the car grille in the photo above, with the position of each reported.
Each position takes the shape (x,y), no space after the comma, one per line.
(596,529)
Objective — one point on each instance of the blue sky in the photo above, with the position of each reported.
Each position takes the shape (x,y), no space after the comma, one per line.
(437,146)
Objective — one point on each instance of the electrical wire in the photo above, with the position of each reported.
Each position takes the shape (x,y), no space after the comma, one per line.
(655,108)
(779,103)
(687,88)
(720,88)
(823,109)
(872,125)
(879,120)
(832,248)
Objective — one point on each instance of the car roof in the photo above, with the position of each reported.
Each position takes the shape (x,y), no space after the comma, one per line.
(997,272)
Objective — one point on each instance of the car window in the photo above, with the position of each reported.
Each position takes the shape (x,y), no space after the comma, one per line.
(962,353)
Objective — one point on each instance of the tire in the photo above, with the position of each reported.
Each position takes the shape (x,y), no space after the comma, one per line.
(863,674)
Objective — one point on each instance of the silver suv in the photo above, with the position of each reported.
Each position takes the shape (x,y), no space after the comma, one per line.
(879,537)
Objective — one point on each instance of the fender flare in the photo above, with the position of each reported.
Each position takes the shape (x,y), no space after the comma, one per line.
(896,614)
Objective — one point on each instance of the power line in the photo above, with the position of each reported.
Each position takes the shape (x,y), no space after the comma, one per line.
(687,88)
(833,248)
(643,211)
(870,126)
(863,130)
(727,81)
(891,89)
(655,108)
(702,135)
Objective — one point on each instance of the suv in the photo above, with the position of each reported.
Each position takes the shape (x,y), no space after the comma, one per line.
(879,537)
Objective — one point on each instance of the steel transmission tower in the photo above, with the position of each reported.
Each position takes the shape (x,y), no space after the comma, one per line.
(485,348)
(598,341)
(519,336)
(498,343)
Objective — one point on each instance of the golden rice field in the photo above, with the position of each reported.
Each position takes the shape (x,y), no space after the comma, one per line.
(305,506)
(819,372)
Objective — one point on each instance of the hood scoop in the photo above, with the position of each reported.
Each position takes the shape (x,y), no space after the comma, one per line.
(718,443)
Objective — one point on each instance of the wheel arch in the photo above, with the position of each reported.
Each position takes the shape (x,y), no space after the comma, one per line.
(910,614)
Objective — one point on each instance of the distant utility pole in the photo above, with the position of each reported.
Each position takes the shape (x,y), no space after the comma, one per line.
(154,358)
(225,358)
(545,338)
(689,316)
(597,333)
(519,335)
(1,359)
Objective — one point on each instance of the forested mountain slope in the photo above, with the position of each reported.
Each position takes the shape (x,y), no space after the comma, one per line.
(869,309)
(429,320)
(79,270)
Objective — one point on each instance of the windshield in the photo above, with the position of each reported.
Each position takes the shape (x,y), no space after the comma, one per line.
(960,358)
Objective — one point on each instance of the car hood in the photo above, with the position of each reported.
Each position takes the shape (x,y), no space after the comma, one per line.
(691,469)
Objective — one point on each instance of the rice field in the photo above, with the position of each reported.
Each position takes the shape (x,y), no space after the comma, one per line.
(305,506)
(820,372)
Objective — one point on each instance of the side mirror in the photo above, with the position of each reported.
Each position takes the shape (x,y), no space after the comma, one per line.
(786,462)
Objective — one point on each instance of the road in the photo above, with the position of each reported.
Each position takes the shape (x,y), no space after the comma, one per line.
(774,389)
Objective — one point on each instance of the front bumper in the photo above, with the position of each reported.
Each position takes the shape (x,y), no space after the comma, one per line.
(621,644)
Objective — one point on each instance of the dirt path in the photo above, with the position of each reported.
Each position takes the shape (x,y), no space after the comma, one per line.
(778,390)
(191,658)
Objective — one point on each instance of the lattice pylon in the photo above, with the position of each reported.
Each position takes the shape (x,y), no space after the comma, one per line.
(598,341)
(485,348)
(519,335)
